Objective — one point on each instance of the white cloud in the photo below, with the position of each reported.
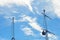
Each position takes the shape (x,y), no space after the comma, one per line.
(52,37)
(9,17)
(56,6)
(37,27)
(47,0)
(15,20)
(19,20)
(18,2)
(44,0)
(28,31)
(33,23)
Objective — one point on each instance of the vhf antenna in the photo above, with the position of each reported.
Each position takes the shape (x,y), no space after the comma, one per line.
(13,34)
(45,24)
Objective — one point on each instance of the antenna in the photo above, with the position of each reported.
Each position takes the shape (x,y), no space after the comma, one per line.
(13,36)
(45,24)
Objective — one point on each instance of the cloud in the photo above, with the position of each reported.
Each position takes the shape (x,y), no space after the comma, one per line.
(56,6)
(32,22)
(37,27)
(18,2)
(47,0)
(28,31)
(52,37)
(15,20)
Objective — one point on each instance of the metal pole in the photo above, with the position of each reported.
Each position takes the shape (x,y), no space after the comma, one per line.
(13,35)
(45,24)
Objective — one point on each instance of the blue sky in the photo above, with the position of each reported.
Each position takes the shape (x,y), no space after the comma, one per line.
(28,20)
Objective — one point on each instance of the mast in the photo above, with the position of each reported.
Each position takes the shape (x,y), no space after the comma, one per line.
(13,34)
(45,24)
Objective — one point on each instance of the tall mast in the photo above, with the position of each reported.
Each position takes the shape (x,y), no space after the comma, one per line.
(13,34)
(45,24)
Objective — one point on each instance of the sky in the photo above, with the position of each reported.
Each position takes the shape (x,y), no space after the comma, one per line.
(28,19)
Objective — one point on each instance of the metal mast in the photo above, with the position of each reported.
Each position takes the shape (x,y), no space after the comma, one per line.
(13,36)
(45,24)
